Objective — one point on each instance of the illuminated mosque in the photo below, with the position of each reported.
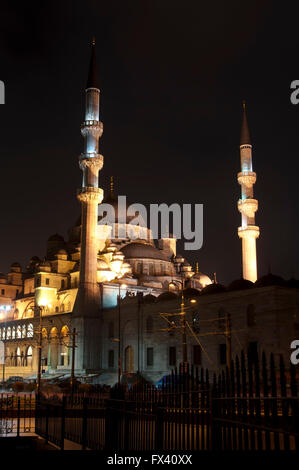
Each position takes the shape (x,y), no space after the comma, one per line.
(80,279)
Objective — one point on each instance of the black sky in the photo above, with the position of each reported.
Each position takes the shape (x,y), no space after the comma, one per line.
(173,76)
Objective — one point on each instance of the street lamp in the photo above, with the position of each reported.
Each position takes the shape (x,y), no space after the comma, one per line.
(123,286)
(183,317)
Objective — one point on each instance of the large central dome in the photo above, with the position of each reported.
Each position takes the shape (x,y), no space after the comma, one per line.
(142,250)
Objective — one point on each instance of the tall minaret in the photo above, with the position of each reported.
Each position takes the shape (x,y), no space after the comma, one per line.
(87,305)
(247,205)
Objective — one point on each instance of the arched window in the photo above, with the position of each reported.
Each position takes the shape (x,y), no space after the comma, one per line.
(251,315)
(28,357)
(149,324)
(24,331)
(19,331)
(62,308)
(139,268)
(56,309)
(44,333)
(111,330)
(13,332)
(29,330)
(18,357)
(69,306)
(64,348)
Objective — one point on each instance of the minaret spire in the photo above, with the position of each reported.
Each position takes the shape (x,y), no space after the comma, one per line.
(87,305)
(247,205)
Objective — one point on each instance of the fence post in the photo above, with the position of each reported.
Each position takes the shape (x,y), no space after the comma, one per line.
(63,422)
(47,423)
(18,417)
(84,423)
(159,429)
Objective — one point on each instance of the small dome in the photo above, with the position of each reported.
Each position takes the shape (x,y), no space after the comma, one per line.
(56,238)
(2,276)
(15,265)
(240,284)
(270,280)
(190,292)
(62,252)
(166,296)
(179,259)
(149,299)
(213,289)
(142,250)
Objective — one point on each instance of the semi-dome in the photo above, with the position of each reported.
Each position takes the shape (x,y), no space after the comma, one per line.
(270,280)
(142,250)
(240,284)
(214,288)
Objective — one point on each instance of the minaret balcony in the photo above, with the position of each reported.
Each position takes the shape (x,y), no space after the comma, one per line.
(250,231)
(248,207)
(247,178)
(92,127)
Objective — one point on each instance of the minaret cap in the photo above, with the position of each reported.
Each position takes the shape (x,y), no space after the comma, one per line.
(245,135)
(93,79)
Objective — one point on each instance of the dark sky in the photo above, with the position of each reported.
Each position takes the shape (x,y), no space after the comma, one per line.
(173,76)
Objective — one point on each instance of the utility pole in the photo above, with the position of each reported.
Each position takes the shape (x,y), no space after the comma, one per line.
(228,337)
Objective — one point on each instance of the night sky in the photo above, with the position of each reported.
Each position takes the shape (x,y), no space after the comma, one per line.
(173,76)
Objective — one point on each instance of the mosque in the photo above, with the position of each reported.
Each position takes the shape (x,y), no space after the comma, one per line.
(72,293)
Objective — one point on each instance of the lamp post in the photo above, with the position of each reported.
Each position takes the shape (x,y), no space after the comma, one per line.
(40,307)
(7,308)
(183,318)
(119,342)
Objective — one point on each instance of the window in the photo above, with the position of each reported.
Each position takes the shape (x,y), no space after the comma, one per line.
(197,355)
(149,356)
(222,354)
(252,351)
(47,281)
(151,270)
(24,331)
(111,358)
(149,324)
(139,268)
(251,315)
(2,291)
(172,356)
(37,281)
(19,331)
(56,309)
(196,323)
(62,284)
(30,330)
(111,330)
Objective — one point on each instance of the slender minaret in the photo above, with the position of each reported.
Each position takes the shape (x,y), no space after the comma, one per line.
(87,305)
(247,205)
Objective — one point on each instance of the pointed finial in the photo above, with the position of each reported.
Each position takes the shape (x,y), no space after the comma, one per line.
(111,186)
(197,271)
(245,135)
(215,278)
(93,41)
(93,80)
